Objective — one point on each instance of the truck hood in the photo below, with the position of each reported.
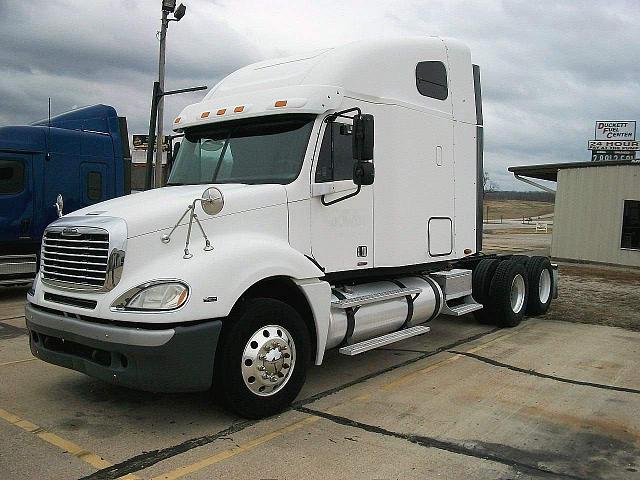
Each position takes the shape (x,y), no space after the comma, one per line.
(161,208)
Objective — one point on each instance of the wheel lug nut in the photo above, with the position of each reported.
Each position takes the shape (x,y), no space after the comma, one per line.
(262,356)
(261,368)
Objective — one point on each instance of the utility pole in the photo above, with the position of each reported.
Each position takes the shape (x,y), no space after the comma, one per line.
(161,63)
(157,102)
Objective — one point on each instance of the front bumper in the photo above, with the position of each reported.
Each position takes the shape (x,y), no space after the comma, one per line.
(176,359)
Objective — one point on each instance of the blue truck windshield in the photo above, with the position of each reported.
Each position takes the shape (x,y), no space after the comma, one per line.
(254,151)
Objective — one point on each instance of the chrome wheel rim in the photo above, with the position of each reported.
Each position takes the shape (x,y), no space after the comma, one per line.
(268,360)
(517,293)
(544,286)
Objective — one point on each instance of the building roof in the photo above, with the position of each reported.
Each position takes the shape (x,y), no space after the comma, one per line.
(550,170)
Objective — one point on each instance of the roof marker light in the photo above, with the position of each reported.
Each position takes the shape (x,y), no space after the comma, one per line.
(177,120)
(222,111)
(280,103)
(205,115)
(239,109)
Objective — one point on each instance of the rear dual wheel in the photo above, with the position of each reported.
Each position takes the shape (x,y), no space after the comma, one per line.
(510,288)
(508,294)
(540,278)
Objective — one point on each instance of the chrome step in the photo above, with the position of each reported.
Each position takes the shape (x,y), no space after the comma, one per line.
(467,306)
(393,337)
(374,297)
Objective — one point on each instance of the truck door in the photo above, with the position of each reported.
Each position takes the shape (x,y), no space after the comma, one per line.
(341,233)
(16,197)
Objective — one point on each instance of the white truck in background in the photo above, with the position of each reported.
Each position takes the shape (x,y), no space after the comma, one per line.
(276,240)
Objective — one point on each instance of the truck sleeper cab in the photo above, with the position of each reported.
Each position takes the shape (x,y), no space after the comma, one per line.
(316,202)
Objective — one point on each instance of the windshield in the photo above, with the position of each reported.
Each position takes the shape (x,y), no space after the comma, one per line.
(259,150)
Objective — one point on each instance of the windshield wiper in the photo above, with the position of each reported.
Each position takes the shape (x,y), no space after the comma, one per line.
(224,150)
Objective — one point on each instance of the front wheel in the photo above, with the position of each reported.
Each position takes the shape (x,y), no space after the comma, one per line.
(262,359)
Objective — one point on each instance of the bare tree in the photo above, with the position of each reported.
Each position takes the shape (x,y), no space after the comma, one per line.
(487,183)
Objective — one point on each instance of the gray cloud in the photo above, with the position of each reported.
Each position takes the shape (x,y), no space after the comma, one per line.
(550,68)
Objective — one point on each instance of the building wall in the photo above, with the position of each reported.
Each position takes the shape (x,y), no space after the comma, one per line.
(588,213)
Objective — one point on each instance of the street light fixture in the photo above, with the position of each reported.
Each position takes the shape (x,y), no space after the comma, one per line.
(168,7)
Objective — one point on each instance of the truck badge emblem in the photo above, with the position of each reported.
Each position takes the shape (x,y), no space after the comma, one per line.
(70,232)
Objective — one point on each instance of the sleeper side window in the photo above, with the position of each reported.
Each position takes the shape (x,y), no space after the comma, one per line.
(335,161)
(11,177)
(431,80)
(94,186)
(631,225)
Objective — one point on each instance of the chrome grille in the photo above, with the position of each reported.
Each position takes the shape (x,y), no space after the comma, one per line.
(78,258)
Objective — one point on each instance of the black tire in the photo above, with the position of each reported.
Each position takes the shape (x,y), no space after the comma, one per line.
(500,304)
(539,298)
(237,331)
(480,283)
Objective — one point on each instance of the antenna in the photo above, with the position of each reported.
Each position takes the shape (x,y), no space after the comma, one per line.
(47,155)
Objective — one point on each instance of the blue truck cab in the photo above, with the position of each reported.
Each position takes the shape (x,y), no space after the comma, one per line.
(82,155)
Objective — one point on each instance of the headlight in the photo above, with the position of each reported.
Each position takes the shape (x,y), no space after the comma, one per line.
(156,296)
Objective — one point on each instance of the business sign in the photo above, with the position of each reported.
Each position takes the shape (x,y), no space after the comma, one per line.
(618,130)
(611,145)
(612,155)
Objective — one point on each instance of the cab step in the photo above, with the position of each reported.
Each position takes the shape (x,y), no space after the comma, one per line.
(461,306)
(383,340)
(374,297)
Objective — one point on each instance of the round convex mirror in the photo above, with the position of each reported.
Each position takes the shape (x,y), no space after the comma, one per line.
(212,201)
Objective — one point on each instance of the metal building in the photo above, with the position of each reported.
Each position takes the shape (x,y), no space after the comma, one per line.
(597,210)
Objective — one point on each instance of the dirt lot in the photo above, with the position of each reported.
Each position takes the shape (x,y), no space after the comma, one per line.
(598,295)
(515,209)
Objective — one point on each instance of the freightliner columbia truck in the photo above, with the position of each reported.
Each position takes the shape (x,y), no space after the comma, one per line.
(317,202)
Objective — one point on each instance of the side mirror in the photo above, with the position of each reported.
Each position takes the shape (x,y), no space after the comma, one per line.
(363,137)
(176,149)
(363,173)
(59,205)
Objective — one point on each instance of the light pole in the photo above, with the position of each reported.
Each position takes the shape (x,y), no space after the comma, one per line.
(168,6)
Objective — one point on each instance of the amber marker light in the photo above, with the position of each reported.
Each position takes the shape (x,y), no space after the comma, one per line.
(280,103)
(205,115)
(222,111)
(182,298)
(239,109)
(467,251)
(177,120)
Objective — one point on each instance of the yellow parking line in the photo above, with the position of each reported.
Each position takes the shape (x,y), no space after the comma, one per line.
(232,452)
(55,440)
(17,361)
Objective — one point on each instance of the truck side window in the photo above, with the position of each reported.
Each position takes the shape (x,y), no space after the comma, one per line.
(11,177)
(431,80)
(335,160)
(94,186)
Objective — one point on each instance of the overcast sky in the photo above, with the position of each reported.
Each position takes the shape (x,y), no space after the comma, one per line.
(550,69)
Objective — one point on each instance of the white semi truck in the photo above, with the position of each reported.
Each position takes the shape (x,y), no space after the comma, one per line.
(276,240)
